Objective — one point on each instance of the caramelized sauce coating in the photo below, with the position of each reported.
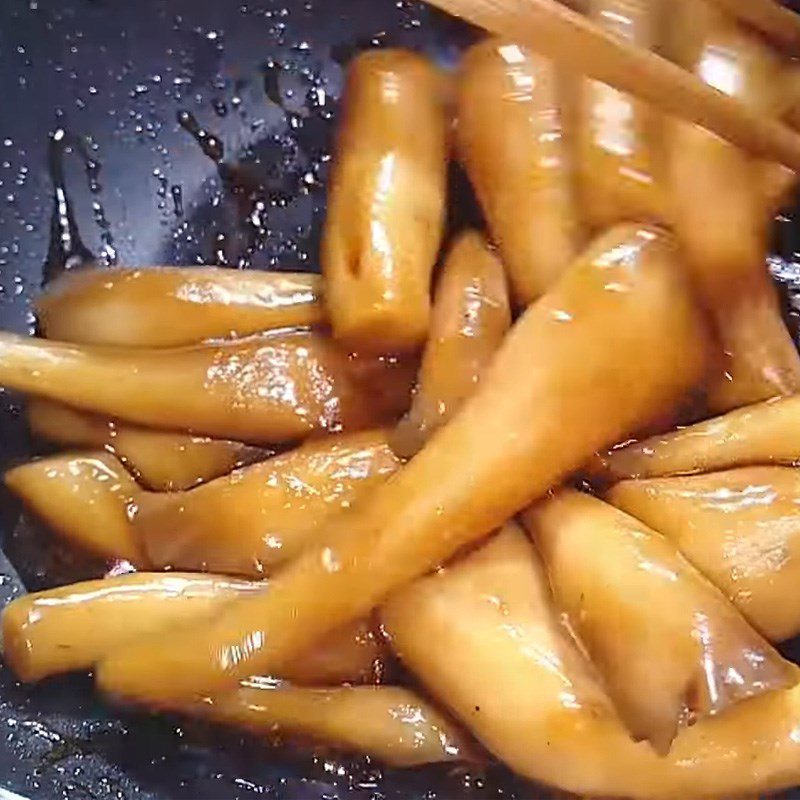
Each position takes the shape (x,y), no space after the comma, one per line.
(740,528)
(273,388)
(165,461)
(387,201)
(471,315)
(173,306)
(510,137)
(259,518)
(670,647)
(531,422)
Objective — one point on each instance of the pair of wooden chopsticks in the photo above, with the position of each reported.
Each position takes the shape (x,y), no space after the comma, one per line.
(556,31)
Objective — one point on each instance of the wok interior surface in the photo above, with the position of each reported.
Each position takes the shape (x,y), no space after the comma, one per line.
(207,140)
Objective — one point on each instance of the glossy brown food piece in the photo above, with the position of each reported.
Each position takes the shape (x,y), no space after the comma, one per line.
(271,388)
(386,202)
(173,306)
(720,215)
(88,499)
(389,723)
(71,628)
(740,528)
(764,433)
(260,517)
(621,158)
(532,421)
(670,646)
(510,137)
(164,461)
(620,162)
(483,637)
(471,315)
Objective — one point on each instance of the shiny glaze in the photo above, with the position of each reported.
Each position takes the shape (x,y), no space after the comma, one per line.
(483,637)
(88,499)
(389,723)
(271,388)
(669,645)
(764,433)
(741,528)
(260,517)
(619,138)
(386,202)
(720,215)
(71,628)
(510,137)
(471,315)
(172,306)
(164,461)
(614,342)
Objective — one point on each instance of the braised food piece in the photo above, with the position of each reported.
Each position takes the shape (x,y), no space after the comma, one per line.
(164,461)
(273,388)
(740,528)
(260,517)
(615,341)
(670,646)
(173,306)
(510,137)
(471,315)
(387,201)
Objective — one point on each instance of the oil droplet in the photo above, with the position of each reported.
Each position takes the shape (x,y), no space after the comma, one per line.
(177,200)
(209,144)
(66,249)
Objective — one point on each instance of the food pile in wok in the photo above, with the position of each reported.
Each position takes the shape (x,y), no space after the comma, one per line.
(547,466)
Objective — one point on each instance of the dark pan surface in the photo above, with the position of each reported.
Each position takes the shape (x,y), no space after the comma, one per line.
(133,82)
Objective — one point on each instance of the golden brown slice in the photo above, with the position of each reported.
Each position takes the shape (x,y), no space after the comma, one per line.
(765,433)
(615,342)
(164,461)
(511,675)
(71,628)
(260,517)
(247,523)
(271,388)
(619,158)
(389,723)
(510,137)
(552,29)
(172,306)
(670,647)
(720,215)
(387,199)
(471,315)
(740,528)
(88,499)
(483,637)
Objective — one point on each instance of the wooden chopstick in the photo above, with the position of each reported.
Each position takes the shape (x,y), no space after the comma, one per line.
(777,23)
(554,30)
